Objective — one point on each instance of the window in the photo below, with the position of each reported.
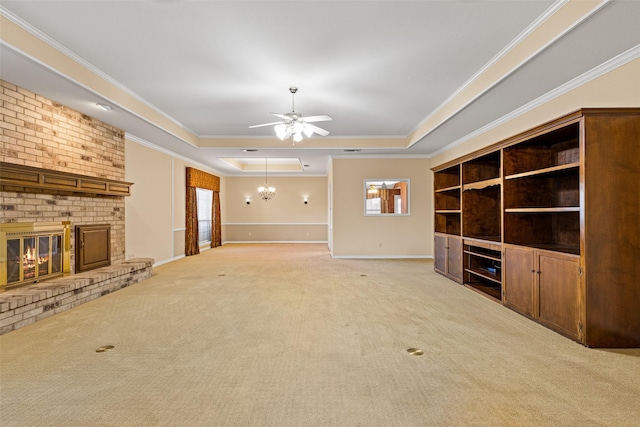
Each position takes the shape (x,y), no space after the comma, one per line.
(386,196)
(204,198)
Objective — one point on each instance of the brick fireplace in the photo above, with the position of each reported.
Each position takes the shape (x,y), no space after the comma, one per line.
(61,186)
(71,165)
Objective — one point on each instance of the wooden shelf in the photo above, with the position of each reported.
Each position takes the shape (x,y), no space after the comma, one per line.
(543,210)
(493,243)
(443,190)
(550,170)
(448,211)
(482,184)
(481,255)
(485,274)
(488,239)
(44,179)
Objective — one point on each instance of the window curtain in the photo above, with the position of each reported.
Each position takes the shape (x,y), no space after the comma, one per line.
(216,227)
(191,246)
(199,179)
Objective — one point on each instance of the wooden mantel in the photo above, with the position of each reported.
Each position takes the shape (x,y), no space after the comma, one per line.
(45,179)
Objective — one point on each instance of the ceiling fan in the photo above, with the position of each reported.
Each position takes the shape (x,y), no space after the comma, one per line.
(295,124)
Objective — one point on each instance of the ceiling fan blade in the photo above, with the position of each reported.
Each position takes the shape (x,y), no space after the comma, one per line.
(265,124)
(322,118)
(282,116)
(317,130)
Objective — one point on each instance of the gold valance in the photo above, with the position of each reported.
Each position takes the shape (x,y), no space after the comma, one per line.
(200,179)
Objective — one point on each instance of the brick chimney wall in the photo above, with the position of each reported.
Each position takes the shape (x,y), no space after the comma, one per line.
(36,131)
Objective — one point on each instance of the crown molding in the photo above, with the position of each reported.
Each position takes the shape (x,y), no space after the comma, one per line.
(610,65)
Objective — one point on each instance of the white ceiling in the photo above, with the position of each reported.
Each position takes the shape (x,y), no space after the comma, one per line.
(379,68)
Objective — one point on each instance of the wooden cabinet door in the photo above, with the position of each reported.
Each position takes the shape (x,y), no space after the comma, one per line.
(519,280)
(454,265)
(440,251)
(559,292)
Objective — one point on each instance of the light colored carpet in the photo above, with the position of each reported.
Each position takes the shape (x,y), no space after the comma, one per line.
(282,335)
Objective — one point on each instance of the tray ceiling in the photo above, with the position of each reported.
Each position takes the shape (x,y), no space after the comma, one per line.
(191,77)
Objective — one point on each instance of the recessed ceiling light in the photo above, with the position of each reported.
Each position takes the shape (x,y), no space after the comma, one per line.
(105,107)
(249,150)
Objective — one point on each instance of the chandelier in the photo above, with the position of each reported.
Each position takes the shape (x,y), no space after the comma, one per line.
(266,192)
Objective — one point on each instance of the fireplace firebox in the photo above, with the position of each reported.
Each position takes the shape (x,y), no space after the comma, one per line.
(31,252)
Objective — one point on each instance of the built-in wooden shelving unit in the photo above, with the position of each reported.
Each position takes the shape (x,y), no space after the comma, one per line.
(546,223)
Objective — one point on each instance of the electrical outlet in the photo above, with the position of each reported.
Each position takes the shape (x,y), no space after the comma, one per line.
(380,244)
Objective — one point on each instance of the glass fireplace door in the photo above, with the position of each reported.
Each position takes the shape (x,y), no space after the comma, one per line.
(14,263)
(31,258)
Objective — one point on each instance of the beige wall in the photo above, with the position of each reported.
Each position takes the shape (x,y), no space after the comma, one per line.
(283,218)
(148,209)
(155,211)
(357,235)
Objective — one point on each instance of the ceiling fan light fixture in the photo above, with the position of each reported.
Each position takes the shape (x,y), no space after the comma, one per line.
(295,125)
(281,131)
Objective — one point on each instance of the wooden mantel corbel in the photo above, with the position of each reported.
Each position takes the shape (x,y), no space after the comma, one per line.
(45,179)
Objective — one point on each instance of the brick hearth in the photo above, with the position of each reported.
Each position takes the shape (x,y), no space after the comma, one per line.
(28,304)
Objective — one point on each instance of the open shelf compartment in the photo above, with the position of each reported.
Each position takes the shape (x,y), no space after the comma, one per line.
(554,190)
(481,213)
(557,231)
(481,168)
(557,147)
(447,178)
(448,223)
(483,270)
(447,200)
